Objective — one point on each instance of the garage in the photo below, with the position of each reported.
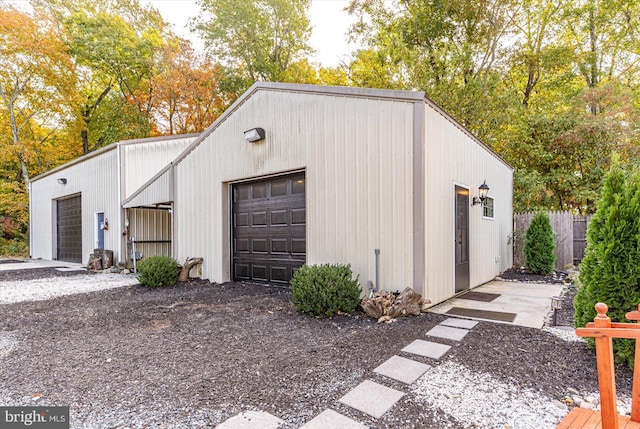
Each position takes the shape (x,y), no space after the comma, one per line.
(69,227)
(269,228)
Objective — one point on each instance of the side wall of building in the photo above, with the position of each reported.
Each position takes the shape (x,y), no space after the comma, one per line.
(452,157)
(357,156)
(96,180)
(140,162)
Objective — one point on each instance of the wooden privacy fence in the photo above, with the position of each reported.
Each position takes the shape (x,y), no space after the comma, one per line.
(570,232)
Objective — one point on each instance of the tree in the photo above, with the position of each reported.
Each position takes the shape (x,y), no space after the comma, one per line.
(263,37)
(36,81)
(604,37)
(188,92)
(610,270)
(561,157)
(539,245)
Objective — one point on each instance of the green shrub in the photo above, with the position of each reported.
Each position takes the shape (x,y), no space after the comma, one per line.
(539,246)
(157,271)
(325,289)
(610,270)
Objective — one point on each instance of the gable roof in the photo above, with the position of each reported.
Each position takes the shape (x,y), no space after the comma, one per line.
(109,148)
(345,91)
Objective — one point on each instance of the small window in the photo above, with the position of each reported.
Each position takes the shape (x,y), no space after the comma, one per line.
(487,208)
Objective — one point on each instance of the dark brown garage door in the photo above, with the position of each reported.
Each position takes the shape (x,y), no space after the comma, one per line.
(69,221)
(269,228)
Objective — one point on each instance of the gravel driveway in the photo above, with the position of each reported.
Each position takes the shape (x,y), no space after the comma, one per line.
(196,354)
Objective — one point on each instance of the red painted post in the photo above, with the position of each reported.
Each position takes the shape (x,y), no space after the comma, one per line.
(606,376)
(635,392)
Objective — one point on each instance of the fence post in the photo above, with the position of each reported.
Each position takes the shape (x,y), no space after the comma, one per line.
(606,375)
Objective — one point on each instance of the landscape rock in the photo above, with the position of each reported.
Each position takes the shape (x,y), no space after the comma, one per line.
(393,305)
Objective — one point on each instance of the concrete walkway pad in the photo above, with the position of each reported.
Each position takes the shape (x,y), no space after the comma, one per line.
(252,420)
(530,302)
(427,349)
(447,332)
(402,369)
(329,419)
(372,398)
(459,323)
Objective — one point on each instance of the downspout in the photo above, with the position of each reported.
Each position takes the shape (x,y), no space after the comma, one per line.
(30,221)
(377,285)
(119,229)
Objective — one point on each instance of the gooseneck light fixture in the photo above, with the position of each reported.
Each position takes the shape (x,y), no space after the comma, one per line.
(253,135)
(483,190)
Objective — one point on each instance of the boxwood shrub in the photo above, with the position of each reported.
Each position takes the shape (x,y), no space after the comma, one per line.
(324,290)
(157,271)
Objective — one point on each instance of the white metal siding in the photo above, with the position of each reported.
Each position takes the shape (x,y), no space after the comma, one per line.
(357,155)
(453,157)
(158,191)
(96,180)
(148,225)
(143,161)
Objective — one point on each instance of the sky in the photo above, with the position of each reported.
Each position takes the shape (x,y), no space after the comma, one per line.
(329,21)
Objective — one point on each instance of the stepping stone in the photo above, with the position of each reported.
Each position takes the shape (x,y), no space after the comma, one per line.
(329,419)
(455,334)
(402,369)
(252,420)
(70,269)
(372,398)
(427,349)
(459,323)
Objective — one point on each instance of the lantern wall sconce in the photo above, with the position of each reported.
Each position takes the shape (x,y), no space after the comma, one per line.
(253,135)
(483,190)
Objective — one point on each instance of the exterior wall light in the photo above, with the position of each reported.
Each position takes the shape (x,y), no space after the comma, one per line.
(483,190)
(253,135)
(62,181)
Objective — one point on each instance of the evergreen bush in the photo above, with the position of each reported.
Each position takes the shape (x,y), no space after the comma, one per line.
(157,271)
(539,245)
(610,270)
(325,289)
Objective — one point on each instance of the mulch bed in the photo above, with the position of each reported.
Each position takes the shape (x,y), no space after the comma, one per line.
(195,354)
(523,275)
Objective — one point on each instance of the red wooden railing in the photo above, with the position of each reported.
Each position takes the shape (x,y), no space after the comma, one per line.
(604,331)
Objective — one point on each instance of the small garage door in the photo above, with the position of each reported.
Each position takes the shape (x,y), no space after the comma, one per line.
(269,228)
(69,221)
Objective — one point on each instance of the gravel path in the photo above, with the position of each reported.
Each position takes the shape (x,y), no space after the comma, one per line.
(51,287)
(196,354)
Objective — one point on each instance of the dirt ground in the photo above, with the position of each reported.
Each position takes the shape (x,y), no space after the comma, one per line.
(197,353)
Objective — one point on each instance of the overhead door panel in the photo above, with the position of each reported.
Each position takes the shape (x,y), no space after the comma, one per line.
(69,227)
(269,228)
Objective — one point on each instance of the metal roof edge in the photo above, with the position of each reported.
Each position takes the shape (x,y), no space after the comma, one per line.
(146,184)
(394,94)
(73,162)
(108,148)
(435,106)
(158,138)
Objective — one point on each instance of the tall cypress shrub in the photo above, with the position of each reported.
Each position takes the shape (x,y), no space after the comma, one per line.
(539,246)
(610,270)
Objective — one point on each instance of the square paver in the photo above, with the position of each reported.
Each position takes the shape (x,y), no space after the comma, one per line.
(402,369)
(459,323)
(455,334)
(329,419)
(252,420)
(372,398)
(427,349)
